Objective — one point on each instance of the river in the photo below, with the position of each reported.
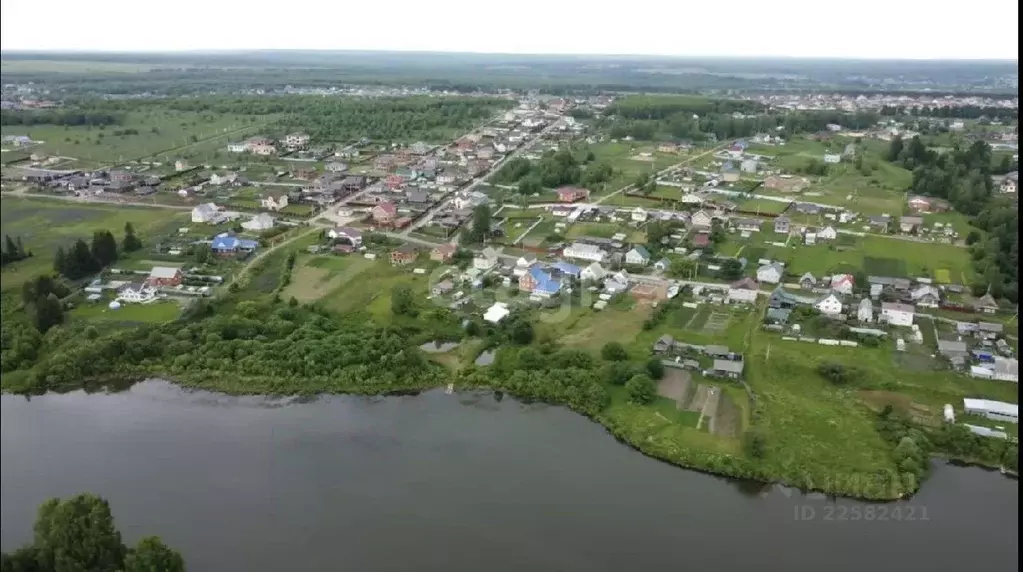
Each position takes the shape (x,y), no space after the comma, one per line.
(453,482)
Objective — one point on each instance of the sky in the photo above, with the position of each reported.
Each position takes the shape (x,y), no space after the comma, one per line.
(979,29)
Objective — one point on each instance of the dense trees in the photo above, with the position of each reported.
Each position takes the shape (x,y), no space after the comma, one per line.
(131,243)
(69,117)
(641,389)
(962,177)
(78,534)
(104,248)
(614,351)
(402,301)
(13,250)
(479,230)
(566,166)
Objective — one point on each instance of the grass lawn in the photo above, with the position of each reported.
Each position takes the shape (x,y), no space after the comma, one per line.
(622,158)
(314,277)
(157,130)
(367,287)
(763,206)
(156,312)
(595,229)
(44,225)
(590,329)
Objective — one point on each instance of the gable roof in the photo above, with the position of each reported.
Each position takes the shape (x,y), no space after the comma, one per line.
(567,268)
(640,250)
(809,277)
(544,282)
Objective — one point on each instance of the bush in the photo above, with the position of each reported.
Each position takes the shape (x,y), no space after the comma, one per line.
(836,373)
(614,351)
(641,389)
(655,368)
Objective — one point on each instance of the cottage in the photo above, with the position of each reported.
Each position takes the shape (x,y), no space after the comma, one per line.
(664,344)
(810,237)
(701,240)
(777,315)
(727,368)
(384,213)
(989,331)
(701,219)
(744,291)
(829,305)
(583,251)
(353,184)
(443,253)
(416,197)
(496,313)
(347,234)
(336,167)
(896,314)
(662,265)
(486,259)
(865,311)
(442,288)
(986,304)
(648,292)
(259,223)
(909,224)
(843,283)
(523,264)
(205,213)
(827,233)
(770,273)
(807,281)
(639,214)
(404,254)
(918,203)
(782,225)
(638,256)
(1010,184)
(539,282)
(593,273)
(748,225)
(226,245)
(296,140)
(749,166)
(164,276)
(571,194)
(926,296)
(879,223)
(136,292)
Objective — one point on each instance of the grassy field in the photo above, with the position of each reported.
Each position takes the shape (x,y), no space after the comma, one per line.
(314,277)
(44,225)
(69,66)
(763,206)
(157,131)
(622,158)
(153,313)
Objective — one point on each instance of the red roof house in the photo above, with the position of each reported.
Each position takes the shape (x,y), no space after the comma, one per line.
(384,213)
(572,194)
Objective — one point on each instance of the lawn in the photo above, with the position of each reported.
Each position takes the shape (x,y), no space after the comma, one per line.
(590,329)
(153,313)
(622,158)
(43,225)
(152,132)
(314,277)
(763,206)
(595,229)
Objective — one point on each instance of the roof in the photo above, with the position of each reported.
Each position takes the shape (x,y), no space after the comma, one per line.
(866,303)
(544,282)
(233,243)
(779,314)
(782,219)
(772,266)
(727,366)
(163,272)
(445,248)
(1010,409)
(208,208)
(388,208)
(640,250)
(990,327)
(745,284)
(715,350)
(497,312)
(567,268)
(596,269)
(809,277)
(949,346)
(896,307)
(488,253)
(407,250)
(348,231)
(666,339)
(583,247)
(986,300)
(911,220)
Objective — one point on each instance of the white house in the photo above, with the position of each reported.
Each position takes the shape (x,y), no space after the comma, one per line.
(865,312)
(237,147)
(639,214)
(770,273)
(829,305)
(827,233)
(749,166)
(496,313)
(583,251)
(593,273)
(743,291)
(523,263)
(701,219)
(206,212)
(260,222)
(637,256)
(996,410)
(842,283)
(294,140)
(926,296)
(336,167)
(137,292)
(180,165)
(352,235)
(224,179)
(485,259)
(897,314)
(272,203)
(691,199)
(832,158)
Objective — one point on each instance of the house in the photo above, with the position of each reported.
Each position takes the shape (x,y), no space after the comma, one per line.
(664,344)
(908,224)
(926,296)
(417,197)
(567,269)
(729,173)
(716,351)
(749,166)
(404,254)
(496,313)
(593,273)
(1010,184)
(865,311)
(996,410)
(443,252)
(701,240)
(442,288)
(989,331)
(273,203)
(896,314)
(952,348)
(919,203)
(770,273)
(662,265)
(296,140)
(829,305)
(336,167)
(180,165)
(832,159)
(523,264)
(986,304)
(807,281)
(639,214)
(205,213)
(353,184)
(637,256)
(879,222)
(263,149)
(807,208)
(236,148)
(583,251)
(225,179)
(384,213)
(743,291)
(781,298)
(136,292)
(226,245)
(785,183)
(485,259)
(782,225)
(843,283)
(810,236)
(348,234)
(726,368)
(701,219)
(260,222)
(571,194)
(748,225)
(648,292)
(164,276)
(539,282)
(777,315)
(827,233)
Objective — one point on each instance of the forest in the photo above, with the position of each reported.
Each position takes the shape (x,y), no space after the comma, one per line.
(953,112)
(79,534)
(963,177)
(69,117)
(662,118)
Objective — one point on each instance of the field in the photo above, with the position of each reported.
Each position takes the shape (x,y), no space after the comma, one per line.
(44,225)
(623,158)
(156,312)
(763,206)
(74,66)
(159,132)
(314,277)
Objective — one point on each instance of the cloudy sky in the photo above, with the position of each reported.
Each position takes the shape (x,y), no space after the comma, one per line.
(797,28)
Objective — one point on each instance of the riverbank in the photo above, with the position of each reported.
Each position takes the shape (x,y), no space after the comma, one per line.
(853,486)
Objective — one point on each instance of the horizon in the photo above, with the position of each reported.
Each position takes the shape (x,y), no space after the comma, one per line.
(875,30)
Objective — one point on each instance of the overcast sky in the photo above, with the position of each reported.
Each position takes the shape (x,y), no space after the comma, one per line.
(797,28)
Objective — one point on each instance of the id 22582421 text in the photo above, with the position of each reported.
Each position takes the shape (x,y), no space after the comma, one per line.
(869,513)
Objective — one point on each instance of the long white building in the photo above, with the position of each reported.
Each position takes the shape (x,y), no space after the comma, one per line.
(996,410)
(583,251)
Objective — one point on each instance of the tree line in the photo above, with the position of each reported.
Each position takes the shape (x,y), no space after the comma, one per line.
(84,259)
(79,535)
(956,112)
(963,178)
(68,117)
(566,166)
(13,250)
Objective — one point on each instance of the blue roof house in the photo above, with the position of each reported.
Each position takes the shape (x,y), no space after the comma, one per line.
(539,282)
(567,268)
(232,245)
